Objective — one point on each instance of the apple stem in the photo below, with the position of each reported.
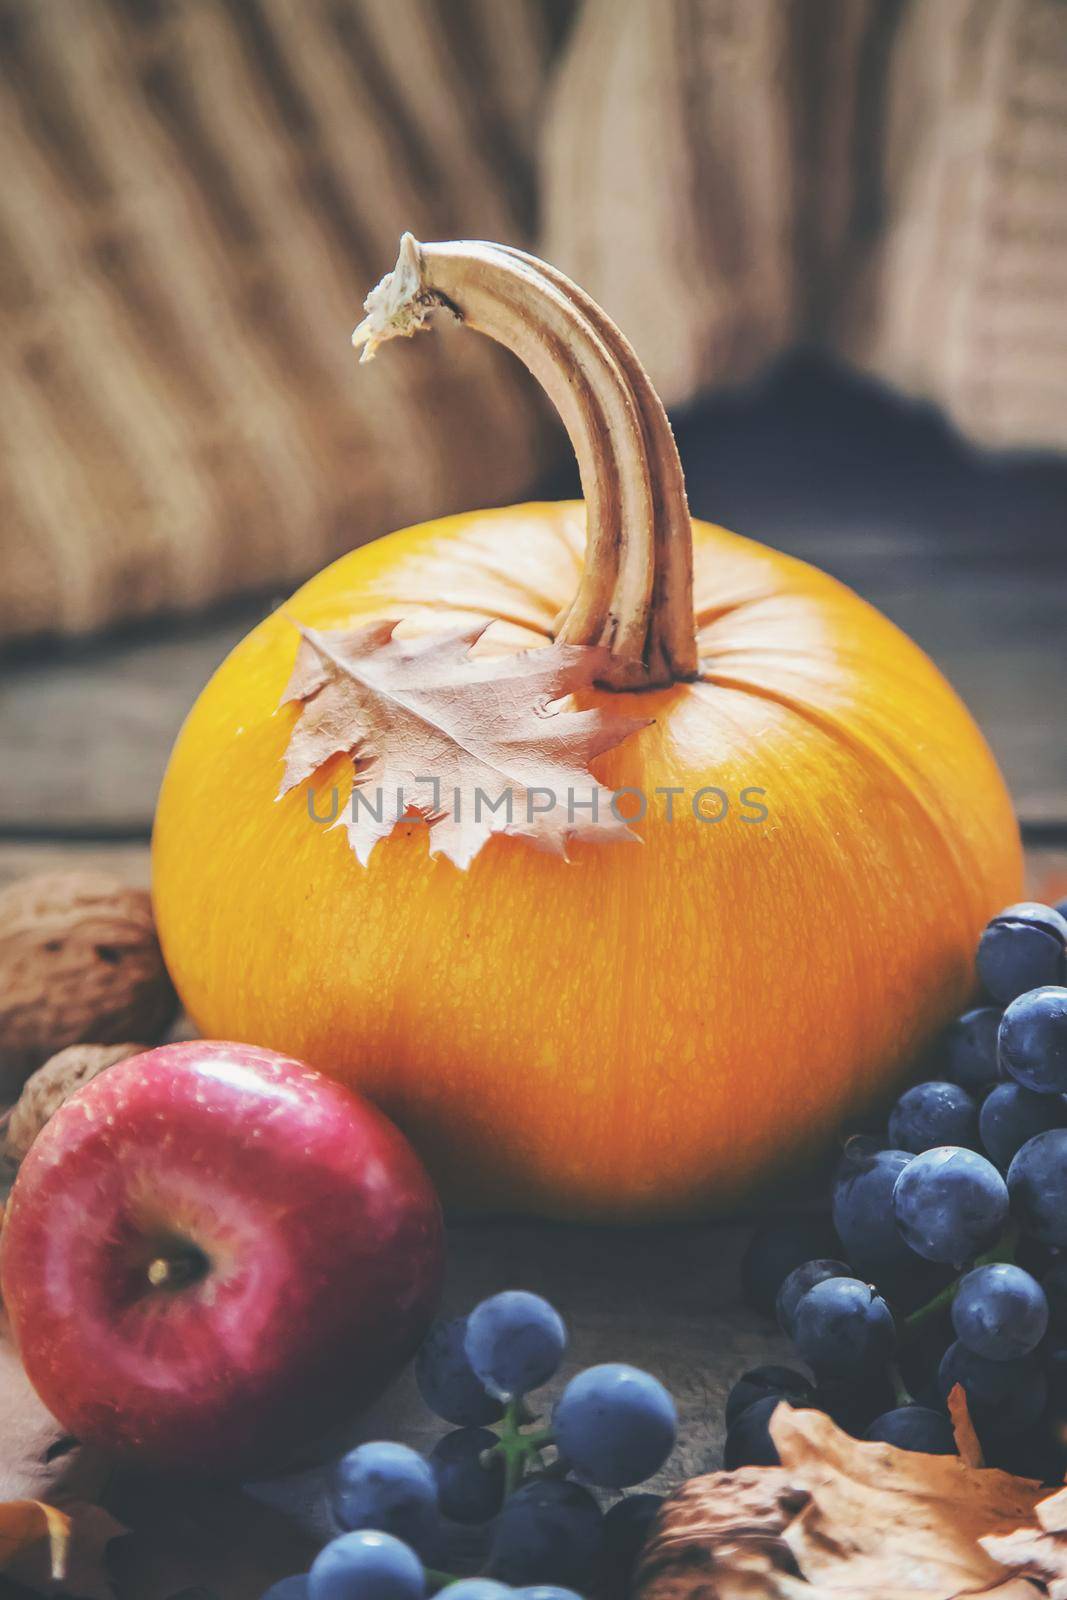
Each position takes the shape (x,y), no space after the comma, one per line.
(173,1272)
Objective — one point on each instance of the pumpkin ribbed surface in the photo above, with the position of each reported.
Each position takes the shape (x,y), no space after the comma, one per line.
(651,1028)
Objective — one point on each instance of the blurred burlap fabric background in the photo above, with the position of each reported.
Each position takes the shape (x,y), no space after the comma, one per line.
(196,195)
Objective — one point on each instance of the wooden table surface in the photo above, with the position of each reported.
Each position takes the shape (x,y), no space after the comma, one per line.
(969,556)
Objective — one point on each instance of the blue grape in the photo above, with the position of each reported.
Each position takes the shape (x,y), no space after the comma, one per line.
(615,1425)
(1037,1183)
(760,1382)
(774,1249)
(1000,1312)
(626,1528)
(971,1049)
(549,1531)
(950,1204)
(863,1208)
(855,1402)
(1003,1397)
(931,1114)
(470,1483)
(1035,1455)
(1011,1115)
(1033,1040)
(844,1329)
(388,1487)
(515,1342)
(1022,947)
(545,1591)
(288,1589)
(1054,1283)
(479,1589)
(917,1428)
(748,1439)
(1035,1257)
(448,1383)
(366,1566)
(1054,1356)
(908,1287)
(799,1281)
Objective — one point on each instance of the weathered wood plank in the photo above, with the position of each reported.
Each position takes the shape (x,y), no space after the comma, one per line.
(130,862)
(665,1298)
(966,553)
(1046,865)
(85,734)
(84,739)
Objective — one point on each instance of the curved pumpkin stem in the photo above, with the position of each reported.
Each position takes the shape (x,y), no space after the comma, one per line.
(636,590)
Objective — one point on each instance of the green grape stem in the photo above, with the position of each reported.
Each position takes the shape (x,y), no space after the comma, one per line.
(518,1448)
(1003,1250)
(901,1394)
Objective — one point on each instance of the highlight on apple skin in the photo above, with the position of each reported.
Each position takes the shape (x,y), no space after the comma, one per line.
(213,1254)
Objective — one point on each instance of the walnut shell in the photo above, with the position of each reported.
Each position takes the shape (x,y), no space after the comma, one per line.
(79,963)
(48,1087)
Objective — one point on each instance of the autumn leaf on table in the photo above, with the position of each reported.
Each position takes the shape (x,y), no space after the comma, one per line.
(38,1460)
(968,1444)
(26,1525)
(52,1539)
(58,1552)
(721,1536)
(1038,1551)
(502,755)
(893,1518)
(194,1538)
(840,1517)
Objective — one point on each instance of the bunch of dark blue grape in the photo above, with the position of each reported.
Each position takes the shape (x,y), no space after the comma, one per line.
(945,1262)
(526,1484)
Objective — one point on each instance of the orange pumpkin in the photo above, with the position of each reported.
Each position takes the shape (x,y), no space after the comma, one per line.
(648,1028)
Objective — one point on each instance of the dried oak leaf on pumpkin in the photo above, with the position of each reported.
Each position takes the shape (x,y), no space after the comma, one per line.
(472,744)
(839,1517)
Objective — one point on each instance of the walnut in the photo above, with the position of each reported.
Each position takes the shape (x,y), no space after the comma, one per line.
(79,963)
(47,1088)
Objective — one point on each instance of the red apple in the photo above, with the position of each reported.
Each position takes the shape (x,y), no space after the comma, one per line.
(213,1253)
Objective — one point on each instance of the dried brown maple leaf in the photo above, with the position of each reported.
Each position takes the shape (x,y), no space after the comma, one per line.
(25,1526)
(52,1540)
(721,1535)
(58,1552)
(193,1539)
(1039,1552)
(968,1444)
(475,745)
(38,1461)
(880,1519)
(839,1517)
